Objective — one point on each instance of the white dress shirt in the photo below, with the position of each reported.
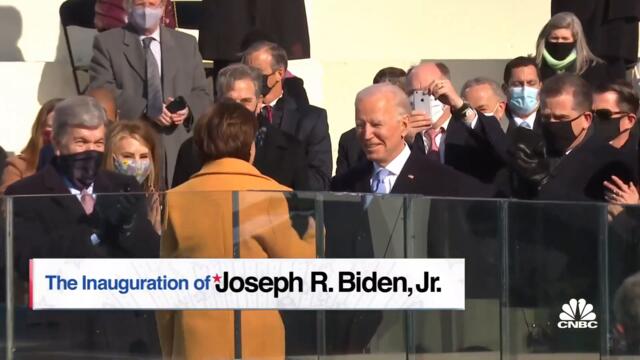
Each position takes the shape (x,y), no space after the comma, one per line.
(394,168)
(529,119)
(155,47)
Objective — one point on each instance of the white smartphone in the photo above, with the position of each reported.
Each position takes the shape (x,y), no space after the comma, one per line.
(421,101)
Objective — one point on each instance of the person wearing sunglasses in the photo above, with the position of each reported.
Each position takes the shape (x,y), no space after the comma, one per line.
(616,107)
(578,160)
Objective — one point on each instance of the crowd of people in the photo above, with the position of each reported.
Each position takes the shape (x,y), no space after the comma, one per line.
(148,135)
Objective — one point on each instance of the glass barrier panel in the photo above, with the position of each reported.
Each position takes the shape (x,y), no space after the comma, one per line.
(468,229)
(622,320)
(69,226)
(552,279)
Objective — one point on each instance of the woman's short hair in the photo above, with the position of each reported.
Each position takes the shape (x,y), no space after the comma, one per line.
(227,130)
(142,132)
(567,20)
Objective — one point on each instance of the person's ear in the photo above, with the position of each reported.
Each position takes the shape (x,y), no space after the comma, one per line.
(404,125)
(628,122)
(588,118)
(280,73)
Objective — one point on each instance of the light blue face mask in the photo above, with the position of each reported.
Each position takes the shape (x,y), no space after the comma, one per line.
(524,100)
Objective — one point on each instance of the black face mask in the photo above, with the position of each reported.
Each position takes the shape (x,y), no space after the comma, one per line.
(265,89)
(80,168)
(558,136)
(608,124)
(559,51)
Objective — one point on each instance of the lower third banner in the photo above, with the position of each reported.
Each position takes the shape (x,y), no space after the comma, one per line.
(285,284)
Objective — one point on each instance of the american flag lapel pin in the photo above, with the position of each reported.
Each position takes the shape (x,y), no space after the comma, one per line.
(411,176)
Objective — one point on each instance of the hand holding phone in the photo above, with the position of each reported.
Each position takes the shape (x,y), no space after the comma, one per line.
(176,105)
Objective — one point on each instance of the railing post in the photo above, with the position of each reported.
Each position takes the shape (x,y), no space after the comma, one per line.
(9,277)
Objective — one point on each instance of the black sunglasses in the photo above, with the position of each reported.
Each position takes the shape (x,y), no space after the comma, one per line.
(606,114)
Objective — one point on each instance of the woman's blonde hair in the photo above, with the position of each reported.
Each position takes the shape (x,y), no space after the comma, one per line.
(567,20)
(31,152)
(142,132)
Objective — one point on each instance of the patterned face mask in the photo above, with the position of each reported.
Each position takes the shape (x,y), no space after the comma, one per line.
(140,169)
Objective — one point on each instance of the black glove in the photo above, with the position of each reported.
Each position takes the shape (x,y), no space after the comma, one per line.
(531,163)
(118,210)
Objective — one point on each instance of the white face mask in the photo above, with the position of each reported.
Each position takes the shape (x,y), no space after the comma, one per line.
(492,113)
(437,108)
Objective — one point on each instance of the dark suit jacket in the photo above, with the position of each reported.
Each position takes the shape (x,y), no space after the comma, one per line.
(477,152)
(226,24)
(537,124)
(578,176)
(281,157)
(419,176)
(55,226)
(349,234)
(309,124)
(349,152)
(118,63)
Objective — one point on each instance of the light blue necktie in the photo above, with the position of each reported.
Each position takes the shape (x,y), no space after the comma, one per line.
(525,125)
(378,185)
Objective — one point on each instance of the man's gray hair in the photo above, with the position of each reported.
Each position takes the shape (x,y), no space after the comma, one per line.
(400,99)
(228,76)
(279,59)
(77,111)
(495,87)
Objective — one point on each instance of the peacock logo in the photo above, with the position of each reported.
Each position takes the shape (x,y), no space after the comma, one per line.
(577,314)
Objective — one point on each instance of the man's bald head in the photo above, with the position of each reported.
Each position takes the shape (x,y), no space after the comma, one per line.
(422,75)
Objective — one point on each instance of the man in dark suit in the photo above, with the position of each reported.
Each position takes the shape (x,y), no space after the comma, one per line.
(147,66)
(382,113)
(392,167)
(308,123)
(578,161)
(522,83)
(453,133)
(279,155)
(82,224)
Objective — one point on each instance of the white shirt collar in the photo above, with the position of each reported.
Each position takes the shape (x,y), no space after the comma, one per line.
(529,119)
(273,103)
(155,35)
(396,165)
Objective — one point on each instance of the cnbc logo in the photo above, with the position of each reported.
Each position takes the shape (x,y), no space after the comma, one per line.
(577,314)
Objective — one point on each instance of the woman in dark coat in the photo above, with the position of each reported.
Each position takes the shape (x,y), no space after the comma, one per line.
(562,47)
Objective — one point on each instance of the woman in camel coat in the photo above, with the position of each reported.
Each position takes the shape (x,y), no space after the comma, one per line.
(199,224)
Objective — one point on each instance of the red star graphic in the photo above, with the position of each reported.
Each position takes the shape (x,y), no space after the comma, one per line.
(216,278)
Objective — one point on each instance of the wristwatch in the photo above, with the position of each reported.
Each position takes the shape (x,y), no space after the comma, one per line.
(464,112)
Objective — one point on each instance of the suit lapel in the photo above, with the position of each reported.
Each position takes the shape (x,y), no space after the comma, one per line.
(133,51)
(363,184)
(170,61)
(54,184)
(285,115)
(407,176)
